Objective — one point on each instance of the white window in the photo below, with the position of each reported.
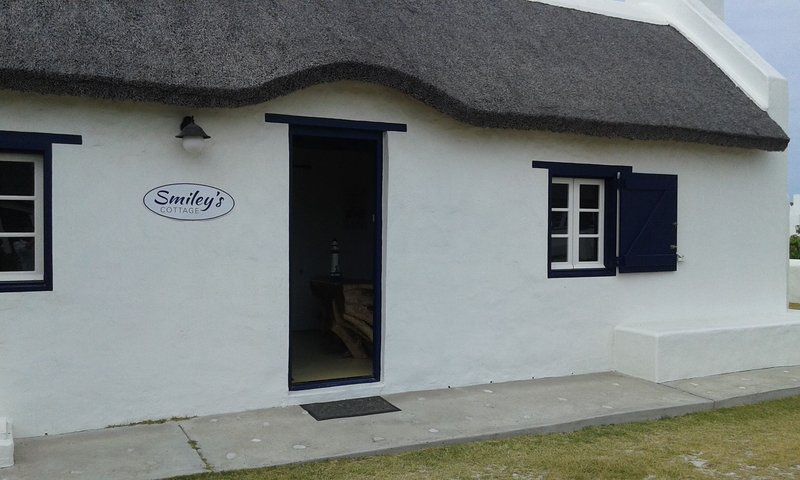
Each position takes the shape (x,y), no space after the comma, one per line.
(576,223)
(21,218)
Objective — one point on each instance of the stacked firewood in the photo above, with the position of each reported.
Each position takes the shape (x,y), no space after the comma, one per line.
(349,313)
(354,323)
(359,306)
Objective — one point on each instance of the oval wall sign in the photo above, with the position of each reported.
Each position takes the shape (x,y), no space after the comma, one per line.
(188,201)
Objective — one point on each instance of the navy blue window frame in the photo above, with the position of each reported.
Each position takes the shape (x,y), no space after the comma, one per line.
(300,126)
(39,144)
(610,174)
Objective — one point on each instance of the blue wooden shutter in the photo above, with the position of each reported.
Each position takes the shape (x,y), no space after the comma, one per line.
(648,222)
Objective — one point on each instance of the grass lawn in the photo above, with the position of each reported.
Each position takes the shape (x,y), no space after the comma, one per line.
(759,441)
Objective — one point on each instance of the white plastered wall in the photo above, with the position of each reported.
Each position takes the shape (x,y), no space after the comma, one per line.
(153,318)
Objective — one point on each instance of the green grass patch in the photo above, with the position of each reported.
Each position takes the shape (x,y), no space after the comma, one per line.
(758,441)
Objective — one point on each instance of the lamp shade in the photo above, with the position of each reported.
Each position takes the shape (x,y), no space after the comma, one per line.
(193,135)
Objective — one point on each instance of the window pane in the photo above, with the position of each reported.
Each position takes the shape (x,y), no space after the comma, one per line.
(16,178)
(588,222)
(559,195)
(16,254)
(16,216)
(587,250)
(559,222)
(590,196)
(558,249)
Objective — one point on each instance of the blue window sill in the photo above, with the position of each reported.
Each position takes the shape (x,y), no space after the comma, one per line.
(582,272)
(32,286)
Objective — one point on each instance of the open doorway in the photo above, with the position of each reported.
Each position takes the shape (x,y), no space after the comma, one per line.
(334,257)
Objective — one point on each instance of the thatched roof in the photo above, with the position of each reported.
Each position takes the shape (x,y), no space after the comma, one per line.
(499,63)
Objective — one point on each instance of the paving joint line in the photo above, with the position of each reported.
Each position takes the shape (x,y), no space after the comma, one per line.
(713,402)
(196,447)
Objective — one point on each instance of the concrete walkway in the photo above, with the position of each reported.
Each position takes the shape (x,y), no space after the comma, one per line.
(285,435)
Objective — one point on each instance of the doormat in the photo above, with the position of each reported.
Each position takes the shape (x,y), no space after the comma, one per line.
(355,407)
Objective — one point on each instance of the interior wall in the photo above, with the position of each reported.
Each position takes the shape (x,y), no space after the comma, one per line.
(333,196)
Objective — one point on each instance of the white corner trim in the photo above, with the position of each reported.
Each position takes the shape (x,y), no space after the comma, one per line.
(610,8)
(748,70)
(6,443)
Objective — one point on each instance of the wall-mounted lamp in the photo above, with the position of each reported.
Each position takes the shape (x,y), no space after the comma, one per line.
(193,136)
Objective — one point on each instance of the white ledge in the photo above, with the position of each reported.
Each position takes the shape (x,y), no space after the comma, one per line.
(687,348)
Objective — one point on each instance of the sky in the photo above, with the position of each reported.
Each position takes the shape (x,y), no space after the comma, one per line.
(772,28)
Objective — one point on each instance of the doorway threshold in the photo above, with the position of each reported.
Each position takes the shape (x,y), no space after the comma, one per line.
(331,383)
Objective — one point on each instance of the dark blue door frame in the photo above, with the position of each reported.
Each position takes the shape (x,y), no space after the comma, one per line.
(347,129)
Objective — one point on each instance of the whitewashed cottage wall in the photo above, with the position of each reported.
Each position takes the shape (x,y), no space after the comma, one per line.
(152,318)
